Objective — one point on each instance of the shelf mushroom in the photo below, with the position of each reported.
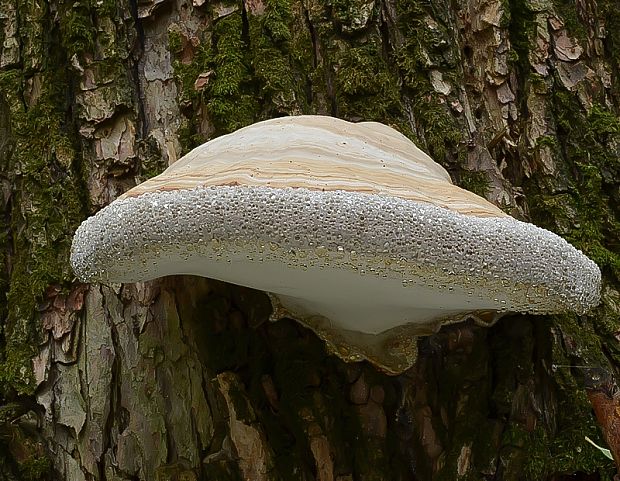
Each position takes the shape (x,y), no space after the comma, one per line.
(350,228)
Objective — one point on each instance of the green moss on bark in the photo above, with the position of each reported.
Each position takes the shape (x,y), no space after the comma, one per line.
(580,203)
(586,211)
(427,48)
(232,100)
(474,181)
(46,206)
(5,152)
(608,10)
(274,64)
(76,27)
(561,447)
(567,10)
(230,93)
(521,22)
(366,88)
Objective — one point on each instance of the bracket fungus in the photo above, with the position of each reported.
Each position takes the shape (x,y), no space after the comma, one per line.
(350,228)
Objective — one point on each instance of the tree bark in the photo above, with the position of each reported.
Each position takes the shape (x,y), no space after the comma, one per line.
(185,378)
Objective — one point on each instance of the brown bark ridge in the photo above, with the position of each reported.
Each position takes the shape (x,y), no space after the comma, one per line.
(185,378)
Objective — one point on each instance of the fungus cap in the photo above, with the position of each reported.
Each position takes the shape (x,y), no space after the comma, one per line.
(351,228)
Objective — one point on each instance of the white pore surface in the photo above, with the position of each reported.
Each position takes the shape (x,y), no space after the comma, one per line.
(362,303)
(366,262)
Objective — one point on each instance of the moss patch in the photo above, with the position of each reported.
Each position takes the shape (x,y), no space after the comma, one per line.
(427,48)
(230,94)
(365,87)
(280,80)
(76,27)
(521,21)
(561,448)
(608,10)
(47,206)
(567,10)
(580,203)
(474,181)
(587,213)
(232,101)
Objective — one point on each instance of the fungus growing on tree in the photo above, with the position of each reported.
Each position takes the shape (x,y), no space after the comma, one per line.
(350,228)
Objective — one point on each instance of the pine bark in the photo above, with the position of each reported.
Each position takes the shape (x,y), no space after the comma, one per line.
(185,378)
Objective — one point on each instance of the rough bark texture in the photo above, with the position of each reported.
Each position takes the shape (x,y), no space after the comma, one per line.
(184,378)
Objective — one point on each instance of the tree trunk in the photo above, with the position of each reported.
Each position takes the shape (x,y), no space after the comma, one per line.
(184,378)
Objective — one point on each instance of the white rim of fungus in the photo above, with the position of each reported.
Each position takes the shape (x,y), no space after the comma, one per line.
(224,232)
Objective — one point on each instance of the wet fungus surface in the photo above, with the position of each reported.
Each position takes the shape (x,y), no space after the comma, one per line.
(350,228)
